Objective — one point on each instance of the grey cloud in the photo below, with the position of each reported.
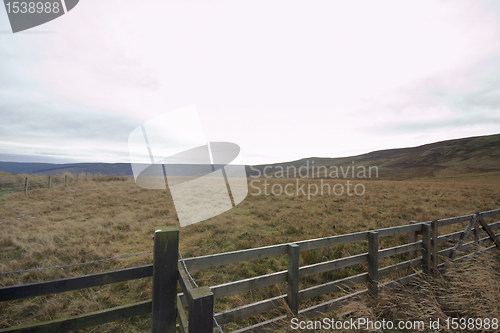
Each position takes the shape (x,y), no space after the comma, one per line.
(477,105)
(53,125)
(41,158)
(49,119)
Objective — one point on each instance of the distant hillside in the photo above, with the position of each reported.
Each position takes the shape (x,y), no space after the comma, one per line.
(460,158)
(118,169)
(473,157)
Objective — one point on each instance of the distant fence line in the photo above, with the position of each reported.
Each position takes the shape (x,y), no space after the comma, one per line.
(23,183)
(167,307)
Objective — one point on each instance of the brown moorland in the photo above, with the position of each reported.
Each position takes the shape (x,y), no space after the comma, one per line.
(92,220)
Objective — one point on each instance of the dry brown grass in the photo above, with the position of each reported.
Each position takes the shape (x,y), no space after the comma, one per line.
(470,290)
(93,220)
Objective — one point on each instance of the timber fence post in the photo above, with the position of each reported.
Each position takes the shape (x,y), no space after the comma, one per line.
(26,186)
(413,239)
(434,242)
(373,263)
(201,311)
(50,182)
(426,248)
(65,180)
(292,296)
(165,272)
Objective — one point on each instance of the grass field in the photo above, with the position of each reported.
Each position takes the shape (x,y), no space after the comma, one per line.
(92,220)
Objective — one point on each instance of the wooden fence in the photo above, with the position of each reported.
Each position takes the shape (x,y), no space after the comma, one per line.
(167,308)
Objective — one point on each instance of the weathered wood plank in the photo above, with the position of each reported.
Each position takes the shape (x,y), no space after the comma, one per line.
(463,236)
(86,320)
(426,248)
(184,282)
(454,220)
(75,283)
(434,240)
(276,250)
(456,235)
(321,309)
(241,286)
(399,267)
(183,299)
(332,286)
(319,243)
(292,298)
(181,316)
(449,237)
(235,257)
(413,239)
(201,309)
(467,246)
(250,310)
(269,251)
(332,265)
(488,231)
(373,263)
(393,251)
(399,230)
(442,267)
(475,230)
(490,213)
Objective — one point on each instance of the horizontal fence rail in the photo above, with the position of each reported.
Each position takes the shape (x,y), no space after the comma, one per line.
(200,300)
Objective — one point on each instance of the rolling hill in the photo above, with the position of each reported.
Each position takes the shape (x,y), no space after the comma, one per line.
(461,158)
(467,158)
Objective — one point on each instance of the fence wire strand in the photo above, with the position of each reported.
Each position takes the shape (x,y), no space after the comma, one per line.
(76,264)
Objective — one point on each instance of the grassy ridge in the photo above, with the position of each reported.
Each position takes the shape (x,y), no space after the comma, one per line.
(457,160)
(93,220)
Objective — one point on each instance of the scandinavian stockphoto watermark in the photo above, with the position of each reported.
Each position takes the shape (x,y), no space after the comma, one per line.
(27,14)
(205,179)
(311,180)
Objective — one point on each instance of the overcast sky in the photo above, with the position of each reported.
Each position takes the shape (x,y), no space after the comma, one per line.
(282,79)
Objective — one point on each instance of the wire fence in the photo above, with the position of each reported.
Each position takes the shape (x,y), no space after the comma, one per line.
(15,183)
(103,260)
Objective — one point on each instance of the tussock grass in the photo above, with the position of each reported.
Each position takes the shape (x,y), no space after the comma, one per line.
(470,290)
(467,290)
(92,220)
